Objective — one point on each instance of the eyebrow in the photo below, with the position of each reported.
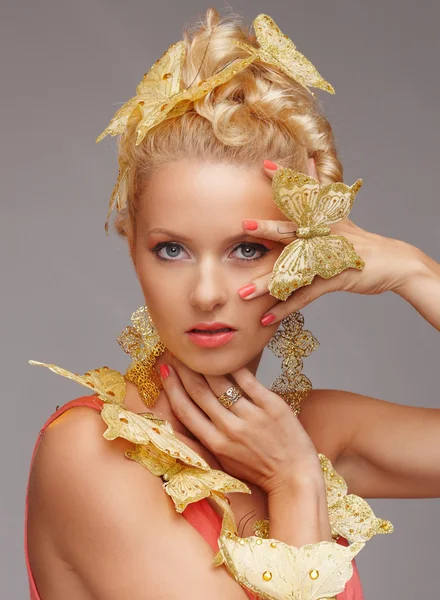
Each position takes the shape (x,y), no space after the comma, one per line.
(184,238)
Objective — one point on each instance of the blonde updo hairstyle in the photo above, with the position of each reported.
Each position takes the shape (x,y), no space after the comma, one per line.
(259,113)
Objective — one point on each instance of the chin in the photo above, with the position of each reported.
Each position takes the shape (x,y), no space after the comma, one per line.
(210,364)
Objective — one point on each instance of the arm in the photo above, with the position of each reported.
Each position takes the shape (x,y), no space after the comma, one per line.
(421,287)
(298,512)
(391,450)
(114,524)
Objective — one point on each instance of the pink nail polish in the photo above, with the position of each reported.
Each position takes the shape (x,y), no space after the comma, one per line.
(251,225)
(268,319)
(164,371)
(247,290)
(270,165)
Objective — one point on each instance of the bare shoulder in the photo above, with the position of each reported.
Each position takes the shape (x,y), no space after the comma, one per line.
(74,461)
(113,522)
(331,418)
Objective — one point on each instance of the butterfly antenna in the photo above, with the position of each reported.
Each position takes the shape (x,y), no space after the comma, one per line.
(204,56)
(252,514)
(286,232)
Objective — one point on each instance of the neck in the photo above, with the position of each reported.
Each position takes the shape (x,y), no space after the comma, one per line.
(162,408)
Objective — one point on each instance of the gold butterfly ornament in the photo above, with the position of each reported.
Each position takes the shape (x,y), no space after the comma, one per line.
(158,97)
(276,48)
(315,251)
(156,446)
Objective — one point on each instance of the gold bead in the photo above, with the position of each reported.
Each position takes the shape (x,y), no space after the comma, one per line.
(273,545)
(242,542)
(313,574)
(259,541)
(267,575)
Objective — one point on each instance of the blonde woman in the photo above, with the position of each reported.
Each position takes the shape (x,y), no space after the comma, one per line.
(195,204)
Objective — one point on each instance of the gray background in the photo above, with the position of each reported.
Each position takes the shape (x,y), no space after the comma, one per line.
(67,290)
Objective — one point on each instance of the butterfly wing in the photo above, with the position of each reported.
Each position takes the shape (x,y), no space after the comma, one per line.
(156,461)
(180,101)
(294,193)
(163,78)
(156,87)
(305,202)
(191,485)
(334,202)
(286,569)
(108,384)
(302,259)
(352,518)
(143,429)
(278,49)
(292,269)
(118,196)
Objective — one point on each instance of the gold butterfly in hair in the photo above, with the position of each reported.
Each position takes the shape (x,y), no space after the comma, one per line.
(159,97)
(278,49)
(314,251)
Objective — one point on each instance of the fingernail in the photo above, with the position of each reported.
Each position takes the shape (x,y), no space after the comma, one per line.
(267,319)
(251,225)
(247,290)
(164,371)
(268,164)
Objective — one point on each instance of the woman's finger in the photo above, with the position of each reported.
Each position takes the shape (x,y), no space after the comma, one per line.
(184,408)
(200,392)
(243,407)
(271,167)
(256,287)
(261,396)
(279,231)
(302,297)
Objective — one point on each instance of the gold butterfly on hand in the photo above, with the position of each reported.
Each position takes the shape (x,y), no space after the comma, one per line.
(278,49)
(315,251)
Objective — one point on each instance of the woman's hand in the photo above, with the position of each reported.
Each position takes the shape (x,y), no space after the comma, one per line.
(258,440)
(389,263)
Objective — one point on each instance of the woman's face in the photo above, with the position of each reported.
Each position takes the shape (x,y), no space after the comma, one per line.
(192,256)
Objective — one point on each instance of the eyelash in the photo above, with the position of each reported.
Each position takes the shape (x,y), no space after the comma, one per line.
(264,250)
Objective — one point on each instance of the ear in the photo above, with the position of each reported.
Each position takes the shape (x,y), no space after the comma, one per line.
(311,168)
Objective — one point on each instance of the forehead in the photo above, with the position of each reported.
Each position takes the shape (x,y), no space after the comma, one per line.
(207,193)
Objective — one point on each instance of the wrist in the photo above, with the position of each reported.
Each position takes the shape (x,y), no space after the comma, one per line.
(295,481)
(418,267)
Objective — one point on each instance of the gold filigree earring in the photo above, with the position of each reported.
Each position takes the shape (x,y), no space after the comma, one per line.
(141,341)
(292,343)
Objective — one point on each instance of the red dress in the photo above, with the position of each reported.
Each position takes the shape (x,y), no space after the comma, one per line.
(200,514)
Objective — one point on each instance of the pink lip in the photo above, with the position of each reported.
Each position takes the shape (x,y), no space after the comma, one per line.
(210,340)
(213,325)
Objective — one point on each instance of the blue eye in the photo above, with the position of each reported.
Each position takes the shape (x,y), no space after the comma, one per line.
(172,251)
(251,251)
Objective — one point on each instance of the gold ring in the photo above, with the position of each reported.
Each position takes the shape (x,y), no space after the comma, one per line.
(231,395)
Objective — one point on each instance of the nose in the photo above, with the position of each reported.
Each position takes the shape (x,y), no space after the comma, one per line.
(209,290)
